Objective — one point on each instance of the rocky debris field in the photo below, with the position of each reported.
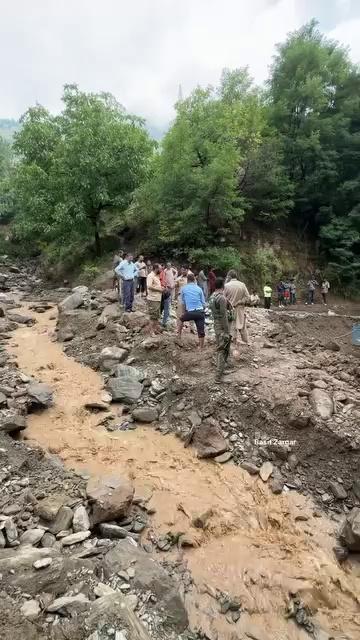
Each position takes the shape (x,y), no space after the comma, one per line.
(293,401)
(77,552)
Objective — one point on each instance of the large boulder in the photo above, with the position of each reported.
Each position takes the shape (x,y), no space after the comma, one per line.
(73,301)
(110,312)
(11,424)
(40,394)
(149,577)
(209,440)
(111,356)
(21,319)
(350,530)
(136,320)
(124,389)
(110,497)
(126,371)
(322,403)
(81,289)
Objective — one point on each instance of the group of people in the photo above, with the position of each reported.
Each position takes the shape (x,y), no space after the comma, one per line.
(164,284)
(287,293)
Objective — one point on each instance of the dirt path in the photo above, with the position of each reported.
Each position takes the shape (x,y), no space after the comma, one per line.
(257,546)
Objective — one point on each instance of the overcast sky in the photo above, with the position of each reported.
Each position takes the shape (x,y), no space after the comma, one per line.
(141,50)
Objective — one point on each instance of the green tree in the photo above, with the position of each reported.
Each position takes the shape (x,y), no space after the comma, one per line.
(315,107)
(208,177)
(76,167)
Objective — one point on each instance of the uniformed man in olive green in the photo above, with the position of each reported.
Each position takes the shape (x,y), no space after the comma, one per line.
(220,310)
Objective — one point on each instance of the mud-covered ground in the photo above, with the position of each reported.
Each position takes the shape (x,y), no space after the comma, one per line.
(265,547)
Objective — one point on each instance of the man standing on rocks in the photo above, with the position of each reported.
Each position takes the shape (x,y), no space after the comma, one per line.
(155,290)
(127,273)
(192,297)
(141,280)
(267,296)
(325,286)
(238,296)
(220,308)
(202,282)
(312,284)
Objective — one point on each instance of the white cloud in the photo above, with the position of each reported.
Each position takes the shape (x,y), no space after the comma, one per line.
(139,50)
(348,33)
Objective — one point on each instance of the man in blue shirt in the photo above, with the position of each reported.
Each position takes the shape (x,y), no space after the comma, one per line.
(127,272)
(193,299)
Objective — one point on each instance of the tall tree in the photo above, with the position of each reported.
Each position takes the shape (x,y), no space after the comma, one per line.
(315,106)
(209,177)
(77,166)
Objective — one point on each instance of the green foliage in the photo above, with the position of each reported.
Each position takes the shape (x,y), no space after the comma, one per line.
(263,266)
(76,167)
(315,106)
(218,166)
(222,259)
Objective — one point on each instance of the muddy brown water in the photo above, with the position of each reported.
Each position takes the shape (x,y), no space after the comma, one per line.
(257,546)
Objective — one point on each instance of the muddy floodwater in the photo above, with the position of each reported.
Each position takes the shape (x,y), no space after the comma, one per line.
(256,546)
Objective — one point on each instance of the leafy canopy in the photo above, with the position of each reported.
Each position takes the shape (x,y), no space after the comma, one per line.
(76,166)
(218,164)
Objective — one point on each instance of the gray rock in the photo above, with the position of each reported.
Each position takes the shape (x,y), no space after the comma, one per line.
(110,497)
(82,289)
(128,372)
(73,301)
(250,467)
(81,521)
(75,538)
(145,414)
(48,508)
(209,440)
(194,419)
(356,488)
(112,353)
(224,457)
(32,536)
(11,531)
(63,520)
(266,470)
(321,403)
(110,312)
(113,531)
(2,540)
(124,390)
(20,319)
(12,424)
(277,483)
(69,604)
(48,540)
(40,394)
(101,590)
(319,384)
(3,399)
(350,530)
(30,609)
(42,563)
(149,576)
(338,490)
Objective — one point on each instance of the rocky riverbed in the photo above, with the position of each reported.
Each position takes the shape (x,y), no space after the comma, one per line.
(143,536)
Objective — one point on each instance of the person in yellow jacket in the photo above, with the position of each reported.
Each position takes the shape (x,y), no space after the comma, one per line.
(267,296)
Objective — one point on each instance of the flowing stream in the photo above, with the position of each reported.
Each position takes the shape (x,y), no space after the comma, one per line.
(256,546)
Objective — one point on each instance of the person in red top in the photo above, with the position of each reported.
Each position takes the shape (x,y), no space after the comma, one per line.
(162,276)
(211,281)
